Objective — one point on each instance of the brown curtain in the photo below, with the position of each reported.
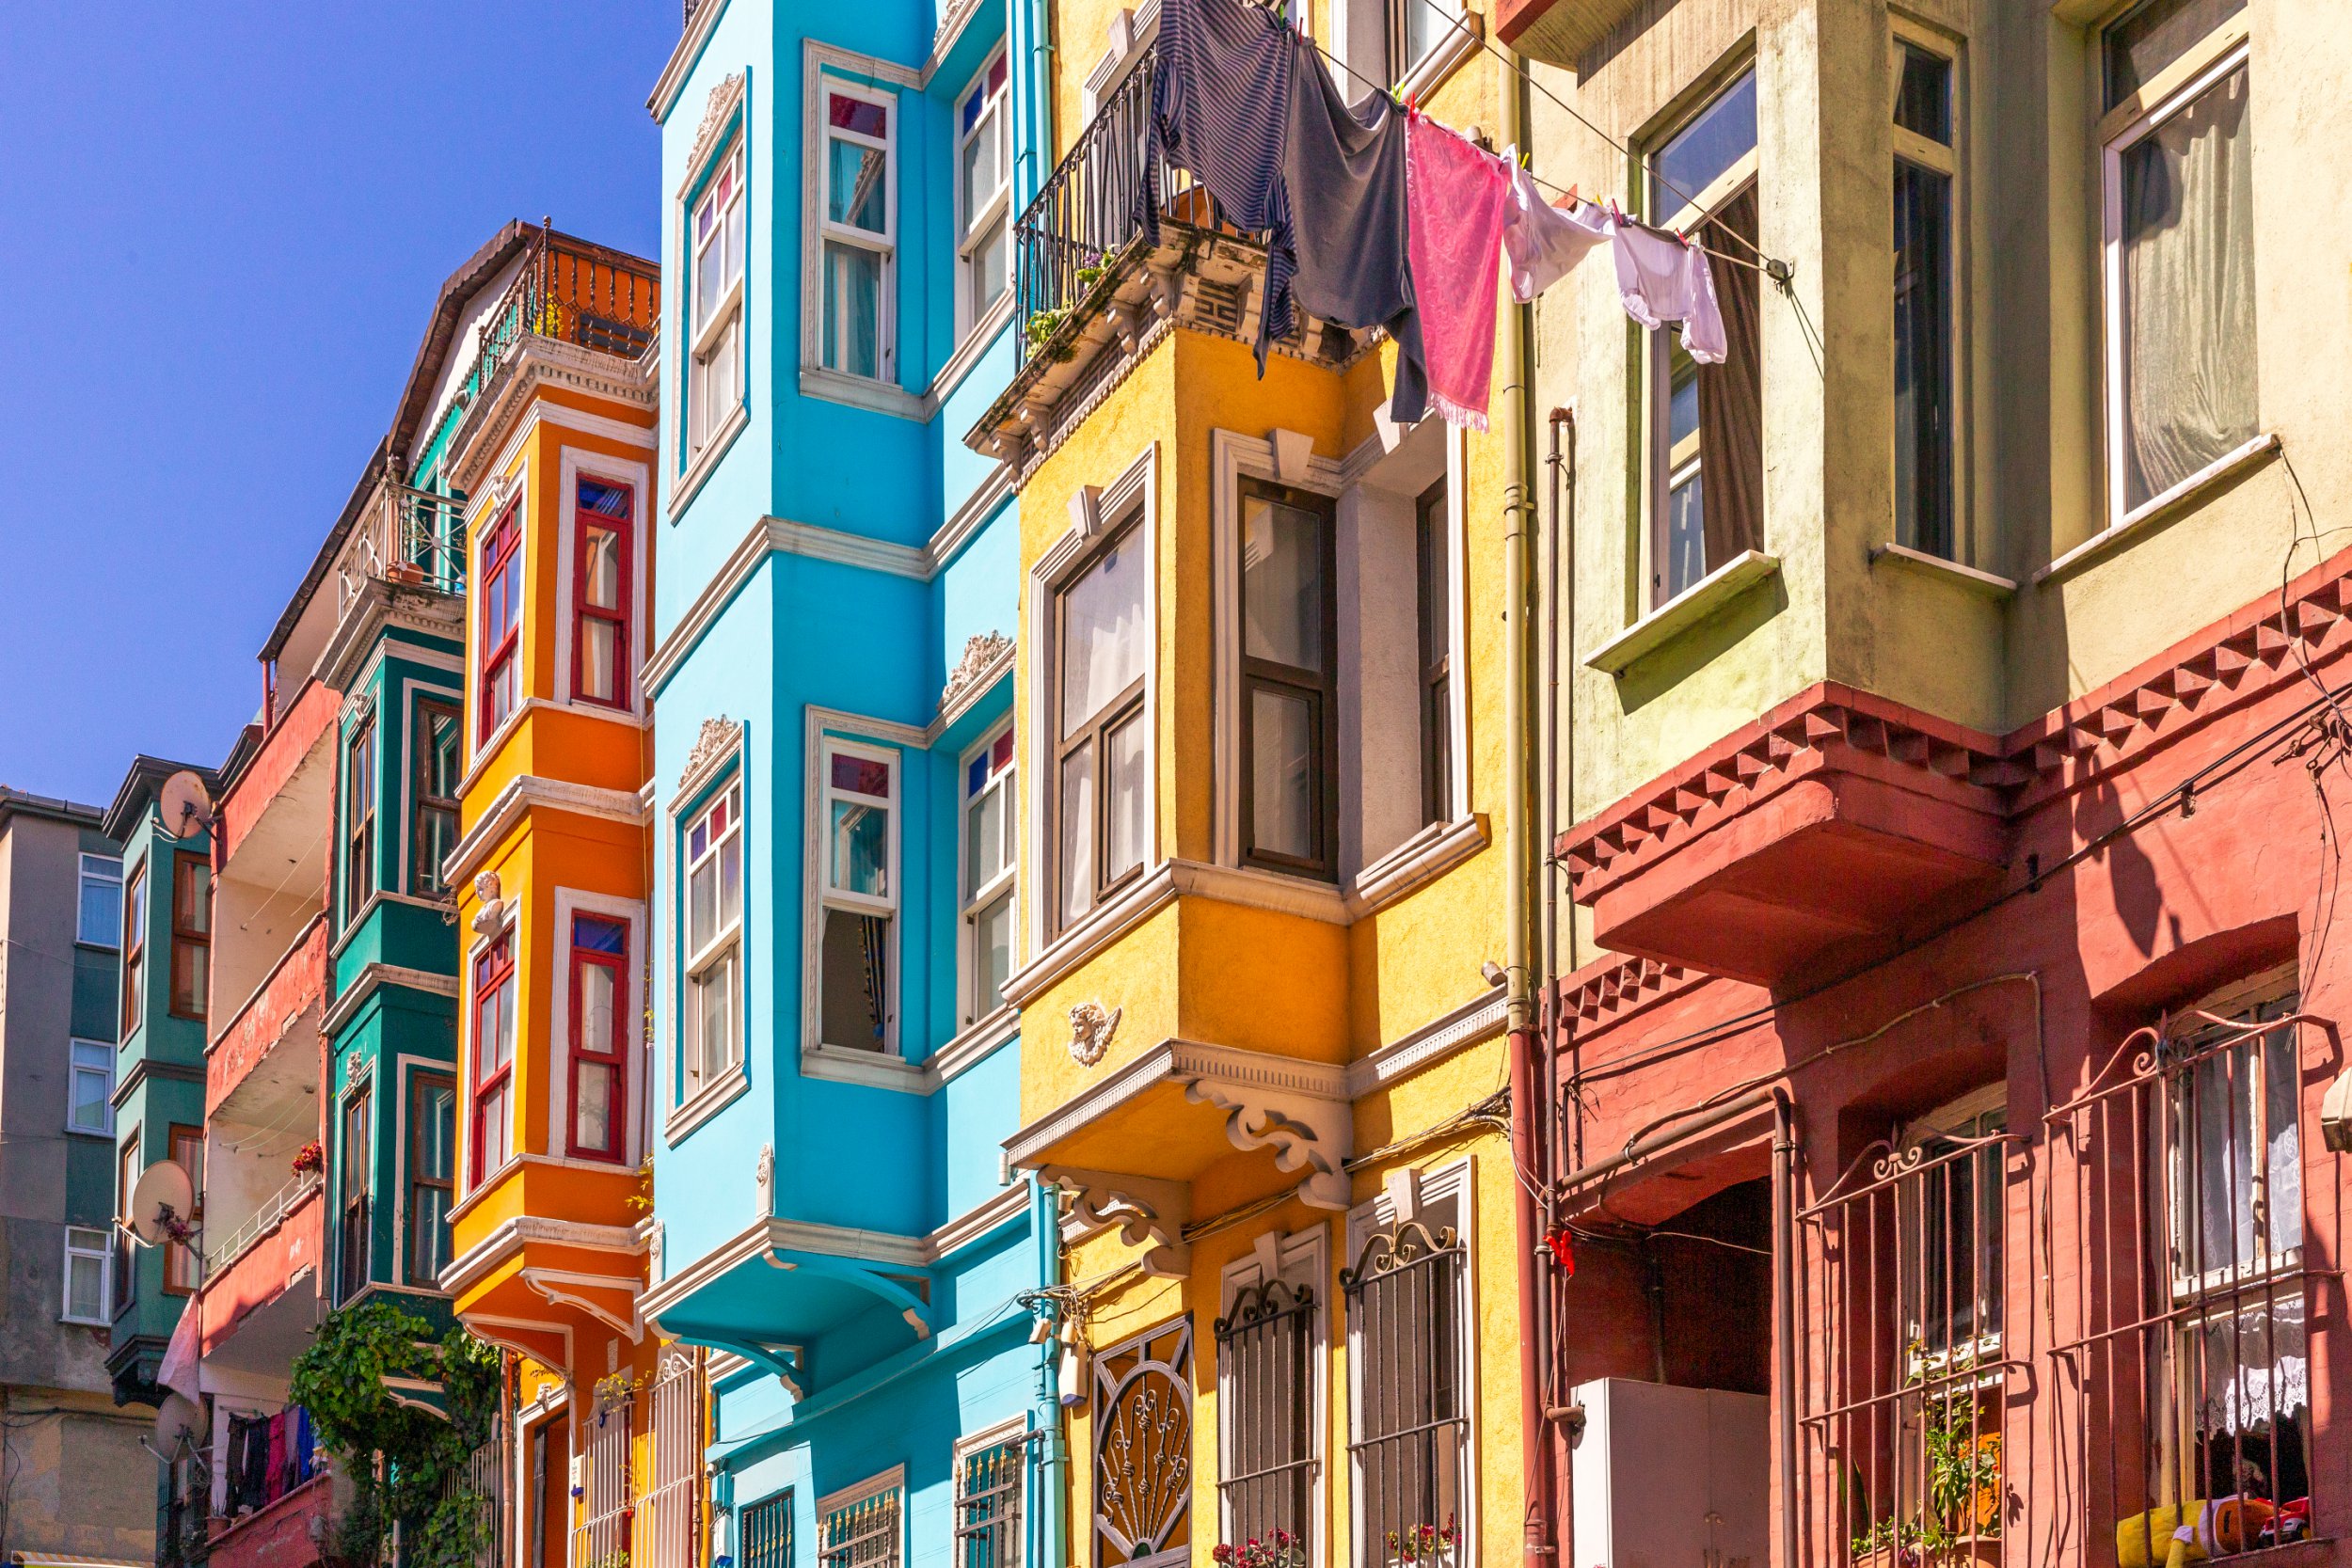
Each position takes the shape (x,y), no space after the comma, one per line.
(1731,394)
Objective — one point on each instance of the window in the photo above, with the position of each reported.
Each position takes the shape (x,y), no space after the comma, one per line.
(439,752)
(983,127)
(191,932)
(1926,513)
(1409,1438)
(859,234)
(601,592)
(1433,587)
(186,1146)
(989,828)
(988,1501)
(1102,795)
(1707,420)
(1270,1398)
(1289,774)
(2177,157)
(431,1173)
(600,1033)
(97,921)
(715,229)
(135,951)
(126,1177)
(1142,1406)
(89,1100)
(1386,42)
(354,1219)
(766,1529)
(860,896)
(494,1056)
(663,1533)
(502,590)
(860,1527)
(88,1262)
(358,819)
(714,925)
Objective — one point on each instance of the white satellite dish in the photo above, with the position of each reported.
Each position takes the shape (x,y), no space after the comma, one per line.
(183,803)
(180,1415)
(162,1192)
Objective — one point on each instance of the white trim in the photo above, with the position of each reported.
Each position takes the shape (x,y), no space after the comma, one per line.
(1007,882)
(726,944)
(374,976)
(82,873)
(997,113)
(889,744)
(2160,506)
(849,549)
(1990,584)
(974,343)
(507,923)
(1700,602)
(971,514)
(709,1102)
(892,1479)
(640,481)
(871,393)
(882,83)
(562,415)
(534,793)
(634,915)
(106,1051)
(1302,1258)
(105,1253)
(689,483)
(680,64)
(1413,864)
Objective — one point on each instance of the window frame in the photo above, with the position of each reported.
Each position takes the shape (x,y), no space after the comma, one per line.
(425,874)
(723,328)
(127,1172)
(1321,689)
(360,855)
(973,220)
(725,946)
(828,232)
(890,1484)
(493,968)
(578,612)
(92,868)
(975,901)
(619,1117)
(102,1254)
(1007,1525)
(134,951)
(1132,702)
(422,1082)
(2171,91)
(354,1191)
(1300,1258)
(830,899)
(1433,541)
(501,551)
(1950,162)
(101,1062)
(182,1265)
(186,864)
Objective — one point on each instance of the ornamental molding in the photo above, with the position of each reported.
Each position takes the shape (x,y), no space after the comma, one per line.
(714,743)
(982,653)
(717,110)
(1307,1132)
(1147,1212)
(1090,1031)
(1616,987)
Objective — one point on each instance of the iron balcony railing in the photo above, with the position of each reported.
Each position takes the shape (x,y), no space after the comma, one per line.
(283,1202)
(408,537)
(1090,208)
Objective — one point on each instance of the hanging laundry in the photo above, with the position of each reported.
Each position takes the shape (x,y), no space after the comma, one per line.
(1220,108)
(1663,277)
(1345,170)
(1543,241)
(1456,194)
(275,1486)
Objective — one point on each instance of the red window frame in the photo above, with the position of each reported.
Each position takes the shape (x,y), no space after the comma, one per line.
(619,617)
(501,555)
(493,970)
(616,1116)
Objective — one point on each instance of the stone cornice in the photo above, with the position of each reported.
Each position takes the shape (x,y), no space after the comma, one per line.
(534,363)
(529,791)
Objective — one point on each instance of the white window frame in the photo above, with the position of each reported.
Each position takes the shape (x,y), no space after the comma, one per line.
(892,1479)
(724,326)
(575,466)
(2172,89)
(974,219)
(726,945)
(100,868)
(885,244)
(1011,1431)
(631,1007)
(1952,162)
(102,1253)
(828,896)
(1302,1258)
(971,900)
(102,1064)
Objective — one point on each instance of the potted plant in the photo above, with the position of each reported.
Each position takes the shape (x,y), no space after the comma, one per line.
(1281,1550)
(311,1157)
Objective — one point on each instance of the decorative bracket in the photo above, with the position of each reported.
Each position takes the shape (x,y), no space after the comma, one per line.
(1306,1132)
(1148,1211)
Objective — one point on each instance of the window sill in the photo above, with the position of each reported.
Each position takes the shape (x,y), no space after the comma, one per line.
(1095,931)
(977,1040)
(861,391)
(873,1070)
(1988,583)
(2219,472)
(698,472)
(1700,602)
(707,1103)
(1420,860)
(105,1132)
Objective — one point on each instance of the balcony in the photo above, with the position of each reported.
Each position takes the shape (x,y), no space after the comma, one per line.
(262,1301)
(244,1067)
(1558,32)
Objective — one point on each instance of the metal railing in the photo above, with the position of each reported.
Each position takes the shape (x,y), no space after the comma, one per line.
(988,1505)
(1090,208)
(601,1538)
(408,537)
(484,1480)
(1265,1348)
(1410,1447)
(668,1513)
(274,1209)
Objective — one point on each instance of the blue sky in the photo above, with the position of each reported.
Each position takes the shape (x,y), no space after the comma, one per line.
(222,226)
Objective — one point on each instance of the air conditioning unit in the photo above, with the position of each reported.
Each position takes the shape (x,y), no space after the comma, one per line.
(1670,1478)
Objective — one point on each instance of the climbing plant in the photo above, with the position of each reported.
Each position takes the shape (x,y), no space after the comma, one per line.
(402,1459)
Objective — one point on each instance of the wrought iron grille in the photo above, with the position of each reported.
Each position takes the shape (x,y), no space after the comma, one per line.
(1905,1400)
(408,537)
(604,1528)
(1143,1445)
(863,1534)
(765,1528)
(483,1479)
(1266,1359)
(1409,1450)
(670,1512)
(988,1505)
(2190,1334)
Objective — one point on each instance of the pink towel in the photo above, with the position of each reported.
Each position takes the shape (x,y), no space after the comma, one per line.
(1455,197)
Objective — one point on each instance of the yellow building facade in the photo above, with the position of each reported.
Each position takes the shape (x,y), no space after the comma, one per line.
(1264,776)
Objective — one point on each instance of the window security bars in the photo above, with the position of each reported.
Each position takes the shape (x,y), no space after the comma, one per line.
(1266,1347)
(765,1528)
(483,1479)
(1904,1400)
(861,1534)
(669,1514)
(604,1528)
(1143,1447)
(988,1505)
(1409,1451)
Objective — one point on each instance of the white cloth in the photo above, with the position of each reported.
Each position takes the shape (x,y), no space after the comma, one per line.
(1542,241)
(1663,278)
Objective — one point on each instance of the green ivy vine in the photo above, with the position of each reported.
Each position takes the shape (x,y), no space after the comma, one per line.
(400,1460)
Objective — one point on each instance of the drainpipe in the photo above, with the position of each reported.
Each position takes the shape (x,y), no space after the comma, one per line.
(1052,1459)
(1520,862)
(1029,46)
(1784,1312)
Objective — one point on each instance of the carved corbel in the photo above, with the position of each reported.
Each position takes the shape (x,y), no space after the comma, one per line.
(1169,279)
(1147,1212)
(1305,1133)
(1126,317)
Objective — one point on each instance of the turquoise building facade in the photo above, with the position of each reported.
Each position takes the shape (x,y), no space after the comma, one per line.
(832,802)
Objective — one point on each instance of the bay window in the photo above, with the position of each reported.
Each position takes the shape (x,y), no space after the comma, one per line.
(191,933)
(715,372)
(1926,400)
(431,1174)
(1101,793)
(127,1169)
(440,764)
(983,127)
(135,951)
(2177,166)
(90,1104)
(599,1038)
(601,592)
(500,579)
(988,826)
(714,927)
(859,901)
(98,916)
(859,233)
(494,1056)
(1288,768)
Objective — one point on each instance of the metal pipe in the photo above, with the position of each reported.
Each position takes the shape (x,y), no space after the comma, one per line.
(1784,1314)
(1052,1455)
(1683,1131)
(1559,761)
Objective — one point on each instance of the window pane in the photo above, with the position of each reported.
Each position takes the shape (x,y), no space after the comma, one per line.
(2283,1166)
(856,114)
(983,169)
(443,761)
(991,954)
(100,919)
(1281,749)
(1682,400)
(853,310)
(1923,103)
(730,881)
(733,238)
(597,985)
(861,849)
(600,565)
(86,1286)
(1127,794)
(1077,833)
(855,184)
(2155,34)
(1923,360)
(592,1116)
(1686,535)
(854,980)
(1104,641)
(1283,583)
(988,268)
(428,1234)
(2188,292)
(90,1090)
(709,279)
(1695,156)
(860,775)
(702,906)
(984,840)
(436,1133)
(191,976)
(599,648)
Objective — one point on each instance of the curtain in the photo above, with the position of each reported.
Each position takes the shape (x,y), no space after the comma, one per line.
(1731,394)
(2188,292)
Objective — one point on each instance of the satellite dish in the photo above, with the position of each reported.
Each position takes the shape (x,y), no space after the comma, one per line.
(183,805)
(180,1416)
(161,1192)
